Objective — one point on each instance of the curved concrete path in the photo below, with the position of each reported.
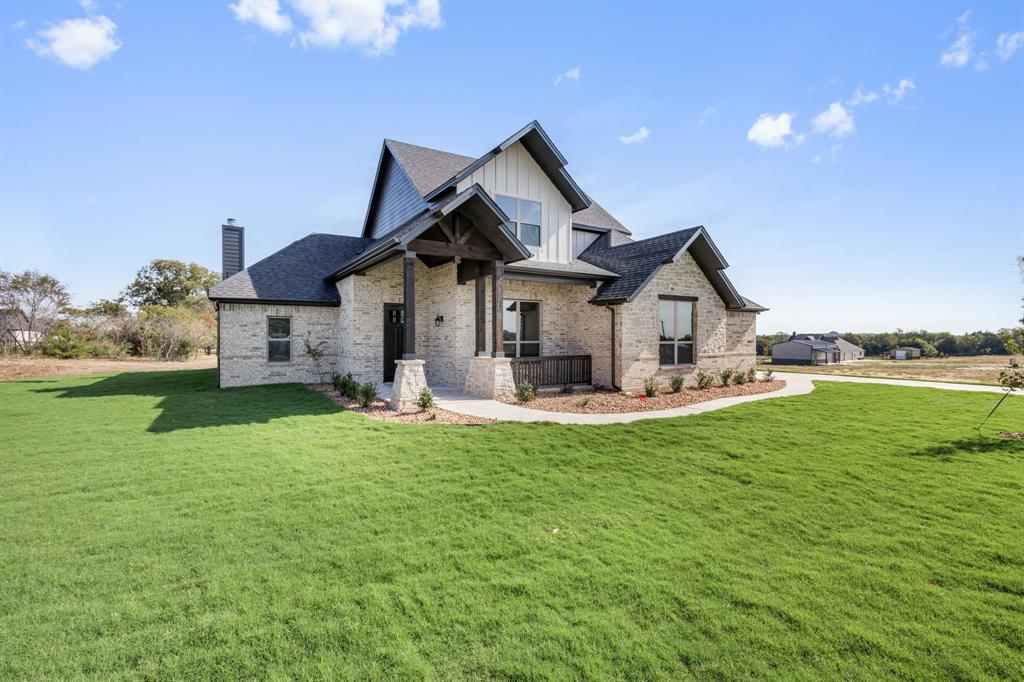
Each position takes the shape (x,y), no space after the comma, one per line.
(796,384)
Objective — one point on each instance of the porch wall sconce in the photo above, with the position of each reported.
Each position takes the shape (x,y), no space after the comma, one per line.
(439,320)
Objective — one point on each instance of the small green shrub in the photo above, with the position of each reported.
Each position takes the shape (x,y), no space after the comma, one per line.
(725,376)
(739,378)
(751,375)
(677,383)
(769,376)
(525,392)
(367,394)
(650,387)
(65,342)
(346,385)
(336,381)
(426,399)
(704,381)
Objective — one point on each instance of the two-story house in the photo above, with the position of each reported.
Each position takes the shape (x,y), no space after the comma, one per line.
(479,273)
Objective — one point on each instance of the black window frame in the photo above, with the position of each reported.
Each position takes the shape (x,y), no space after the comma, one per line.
(518,343)
(675,342)
(515,223)
(272,339)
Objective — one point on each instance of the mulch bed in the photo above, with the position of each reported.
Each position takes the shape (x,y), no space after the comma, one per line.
(380,410)
(606,402)
(1012,435)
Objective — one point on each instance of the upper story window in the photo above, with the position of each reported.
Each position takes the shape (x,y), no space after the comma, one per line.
(582,239)
(525,218)
(676,324)
(279,339)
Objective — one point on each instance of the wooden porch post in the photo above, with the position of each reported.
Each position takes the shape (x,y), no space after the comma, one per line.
(497,294)
(409,299)
(481,313)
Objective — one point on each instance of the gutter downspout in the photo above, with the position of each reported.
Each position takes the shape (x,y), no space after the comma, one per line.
(614,385)
(218,344)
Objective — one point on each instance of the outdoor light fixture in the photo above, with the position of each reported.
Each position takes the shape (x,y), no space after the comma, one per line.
(439,320)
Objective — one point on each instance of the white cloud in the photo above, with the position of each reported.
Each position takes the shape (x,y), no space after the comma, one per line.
(709,112)
(1008,43)
(960,52)
(87,5)
(370,24)
(264,13)
(78,43)
(638,136)
(860,97)
(902,89)
(572,74)
(772,131)
(836,121)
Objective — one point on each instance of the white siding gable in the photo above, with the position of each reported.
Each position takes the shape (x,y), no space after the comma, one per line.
(514,173)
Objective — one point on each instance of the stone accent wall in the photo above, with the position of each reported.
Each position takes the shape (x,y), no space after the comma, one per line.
(242,355)
(723,339)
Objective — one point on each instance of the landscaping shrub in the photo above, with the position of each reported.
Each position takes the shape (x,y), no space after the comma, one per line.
(677,383)
(346,385)
(525,392)
(751,375)
(704,381)
(739,378)
(367,394)
(769,375)
(65,342)
(426,398)
(650,387)
(725,376)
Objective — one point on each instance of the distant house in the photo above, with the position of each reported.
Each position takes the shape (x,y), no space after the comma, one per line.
(905,353)
(15,330)
(815,349)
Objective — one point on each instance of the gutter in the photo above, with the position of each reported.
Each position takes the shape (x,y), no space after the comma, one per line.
(614,385)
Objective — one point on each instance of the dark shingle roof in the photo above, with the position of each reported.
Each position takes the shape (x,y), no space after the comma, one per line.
(596,216)
(427,168)
(295,274)
(635,262)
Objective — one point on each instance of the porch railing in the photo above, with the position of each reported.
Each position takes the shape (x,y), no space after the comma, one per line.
(552,370)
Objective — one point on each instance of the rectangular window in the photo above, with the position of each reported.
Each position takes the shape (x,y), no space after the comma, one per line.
(676,331)
(524,218)
(279,339)
(520,329)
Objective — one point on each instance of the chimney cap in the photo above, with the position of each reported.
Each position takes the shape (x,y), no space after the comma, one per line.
(229,221)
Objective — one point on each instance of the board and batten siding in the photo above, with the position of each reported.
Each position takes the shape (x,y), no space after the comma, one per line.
(514,173)
(397,201)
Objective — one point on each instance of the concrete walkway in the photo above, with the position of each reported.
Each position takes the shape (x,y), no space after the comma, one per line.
(796,384)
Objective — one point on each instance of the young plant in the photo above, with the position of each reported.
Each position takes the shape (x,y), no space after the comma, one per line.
(650,387)
(739,378)
(347,386)
(677,383)
(426,399)
(525,392)
(336,381)
(316,353)
(769,376)
(704,381)
(367,394)
(725,376)
(751,375)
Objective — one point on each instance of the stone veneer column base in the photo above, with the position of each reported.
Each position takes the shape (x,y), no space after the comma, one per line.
(491,378)
(409,380)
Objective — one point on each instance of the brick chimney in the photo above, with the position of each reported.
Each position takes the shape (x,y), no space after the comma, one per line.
(232,243)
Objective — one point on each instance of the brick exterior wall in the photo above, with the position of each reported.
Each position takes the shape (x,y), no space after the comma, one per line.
(242,356)
(723,338)
(354,332)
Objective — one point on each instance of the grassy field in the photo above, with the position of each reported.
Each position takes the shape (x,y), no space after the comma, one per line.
(974,369)
(154,527)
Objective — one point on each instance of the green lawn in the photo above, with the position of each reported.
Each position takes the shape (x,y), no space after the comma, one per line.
(152,526)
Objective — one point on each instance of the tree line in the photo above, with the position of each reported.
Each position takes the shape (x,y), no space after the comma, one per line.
(162,313)
(932,344)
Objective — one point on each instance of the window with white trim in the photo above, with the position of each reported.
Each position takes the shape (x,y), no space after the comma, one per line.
(524,218)
(279,339)
(520,328)
(676,325)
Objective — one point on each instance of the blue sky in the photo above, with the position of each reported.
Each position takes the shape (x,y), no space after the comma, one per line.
(129,131)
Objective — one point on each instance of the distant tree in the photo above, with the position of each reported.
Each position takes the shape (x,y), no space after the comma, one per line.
(169,283)
(32,301)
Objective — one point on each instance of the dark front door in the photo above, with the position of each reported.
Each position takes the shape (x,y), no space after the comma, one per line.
(394,337)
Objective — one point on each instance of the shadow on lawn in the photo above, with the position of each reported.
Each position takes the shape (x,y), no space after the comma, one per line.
(973,445)
(190,399)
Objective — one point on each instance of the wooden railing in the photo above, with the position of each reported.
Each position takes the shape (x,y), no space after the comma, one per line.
(552,370)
